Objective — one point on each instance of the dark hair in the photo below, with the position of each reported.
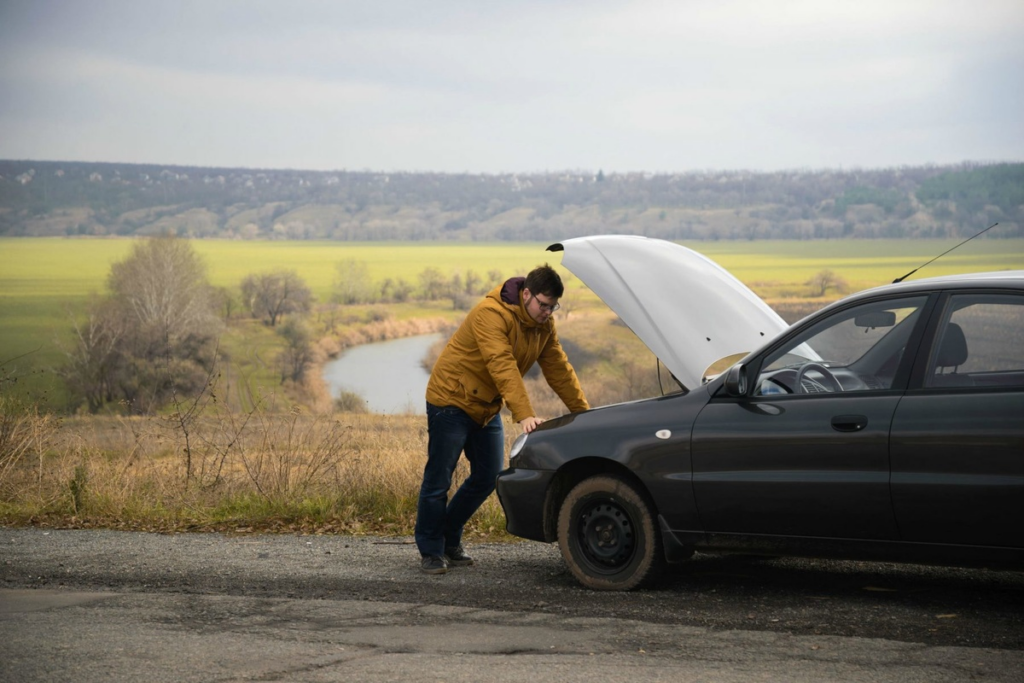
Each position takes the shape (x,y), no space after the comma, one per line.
(544,280)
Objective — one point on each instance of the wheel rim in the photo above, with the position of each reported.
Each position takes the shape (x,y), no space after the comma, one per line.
(606,536)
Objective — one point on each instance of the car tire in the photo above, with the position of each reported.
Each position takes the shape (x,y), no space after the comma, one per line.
(608,536)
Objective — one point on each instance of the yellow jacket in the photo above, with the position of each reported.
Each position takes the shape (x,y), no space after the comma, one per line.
(485,360)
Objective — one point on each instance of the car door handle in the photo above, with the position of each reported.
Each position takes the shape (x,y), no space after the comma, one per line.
(849,423)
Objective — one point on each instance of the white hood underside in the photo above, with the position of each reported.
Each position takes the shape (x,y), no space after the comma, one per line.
(688,310)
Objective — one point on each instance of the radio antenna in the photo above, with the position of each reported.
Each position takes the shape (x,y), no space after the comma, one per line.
(901,279)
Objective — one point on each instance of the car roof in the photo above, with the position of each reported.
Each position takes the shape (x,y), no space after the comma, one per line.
(1012,279)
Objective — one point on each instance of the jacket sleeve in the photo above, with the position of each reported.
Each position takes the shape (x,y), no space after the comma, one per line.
(561,376)
(492,337)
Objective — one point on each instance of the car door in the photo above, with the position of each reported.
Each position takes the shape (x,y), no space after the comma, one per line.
(805,453)
(958,435)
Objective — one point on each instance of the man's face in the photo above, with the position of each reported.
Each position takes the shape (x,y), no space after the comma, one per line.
(539,307)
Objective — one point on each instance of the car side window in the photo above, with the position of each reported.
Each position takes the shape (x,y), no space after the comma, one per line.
(980,342)
(857,349)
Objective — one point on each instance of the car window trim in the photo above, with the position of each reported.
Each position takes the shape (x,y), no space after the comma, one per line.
(919,373)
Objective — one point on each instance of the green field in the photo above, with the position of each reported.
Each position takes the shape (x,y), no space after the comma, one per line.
(782,265)
(42,279)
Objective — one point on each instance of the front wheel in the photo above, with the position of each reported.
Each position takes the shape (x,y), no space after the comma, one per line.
(607,535)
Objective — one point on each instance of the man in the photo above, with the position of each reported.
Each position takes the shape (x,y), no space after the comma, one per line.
(483,365)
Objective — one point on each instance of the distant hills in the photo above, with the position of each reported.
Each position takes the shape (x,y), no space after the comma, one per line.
(45,198)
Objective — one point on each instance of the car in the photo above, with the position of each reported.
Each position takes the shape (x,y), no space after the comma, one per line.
(888,426)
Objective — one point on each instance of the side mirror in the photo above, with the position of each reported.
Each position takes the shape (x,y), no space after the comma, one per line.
(875,319)
(736,380)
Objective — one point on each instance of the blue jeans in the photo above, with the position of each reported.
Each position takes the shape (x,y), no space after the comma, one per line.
(451,431)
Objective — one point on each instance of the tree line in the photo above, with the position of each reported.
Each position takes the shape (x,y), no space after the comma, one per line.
(76,198)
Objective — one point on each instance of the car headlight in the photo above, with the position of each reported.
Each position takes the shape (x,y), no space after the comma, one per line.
(517,445)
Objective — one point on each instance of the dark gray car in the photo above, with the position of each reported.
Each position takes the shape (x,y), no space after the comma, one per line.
(887,426)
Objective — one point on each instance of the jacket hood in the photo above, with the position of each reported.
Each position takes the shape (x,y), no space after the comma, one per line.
(510,294)
(688,310)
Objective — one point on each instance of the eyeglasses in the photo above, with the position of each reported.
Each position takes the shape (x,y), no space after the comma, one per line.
(550,308)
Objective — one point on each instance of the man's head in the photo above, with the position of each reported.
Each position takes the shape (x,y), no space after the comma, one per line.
(541,292)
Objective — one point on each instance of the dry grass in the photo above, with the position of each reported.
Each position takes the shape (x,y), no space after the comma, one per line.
(242,472)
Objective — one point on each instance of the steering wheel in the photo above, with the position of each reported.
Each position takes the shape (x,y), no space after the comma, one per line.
(830,384)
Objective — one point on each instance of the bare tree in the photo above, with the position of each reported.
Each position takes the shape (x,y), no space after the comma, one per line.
(569,303)
(271,295)
(153,337)
(474,283)
(639,379)
(298,354)
(459,293)
(352,284)
(494,278)
(162,285)
(824,280)
(433,284)
(395,290)
(96,354)
(226,301)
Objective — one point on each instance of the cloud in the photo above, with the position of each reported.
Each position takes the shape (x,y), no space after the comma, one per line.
(513,86)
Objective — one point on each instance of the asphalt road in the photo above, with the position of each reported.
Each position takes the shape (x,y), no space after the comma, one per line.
(108,606)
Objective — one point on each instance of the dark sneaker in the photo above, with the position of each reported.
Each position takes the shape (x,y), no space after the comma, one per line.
(457,557)
(432,564)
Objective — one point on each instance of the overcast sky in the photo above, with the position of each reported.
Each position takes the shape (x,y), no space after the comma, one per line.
(513,85)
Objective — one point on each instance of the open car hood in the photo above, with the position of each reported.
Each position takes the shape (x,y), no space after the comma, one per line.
(688,310)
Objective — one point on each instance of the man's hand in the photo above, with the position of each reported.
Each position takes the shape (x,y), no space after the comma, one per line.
(530,423)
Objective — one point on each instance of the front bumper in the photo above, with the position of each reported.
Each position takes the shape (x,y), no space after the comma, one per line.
(522,494)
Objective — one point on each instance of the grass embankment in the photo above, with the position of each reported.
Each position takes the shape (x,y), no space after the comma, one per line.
(351,474)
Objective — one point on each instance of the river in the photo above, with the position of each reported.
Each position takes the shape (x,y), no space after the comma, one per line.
(387,375)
